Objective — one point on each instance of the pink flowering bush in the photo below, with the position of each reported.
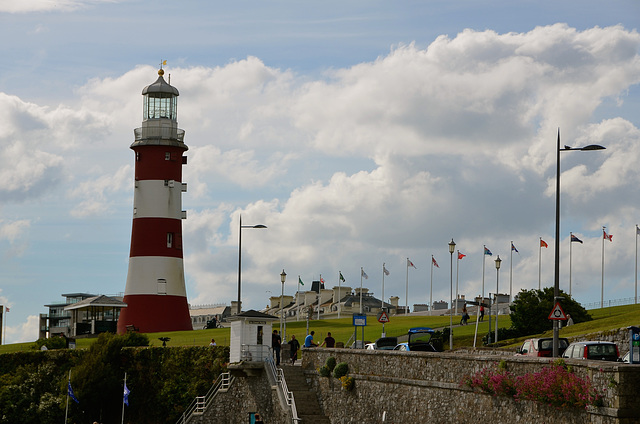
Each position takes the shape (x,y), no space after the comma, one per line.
(553,385)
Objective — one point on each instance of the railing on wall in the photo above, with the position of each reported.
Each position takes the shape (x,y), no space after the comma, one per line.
(201,403)
(278,376)
(255,353)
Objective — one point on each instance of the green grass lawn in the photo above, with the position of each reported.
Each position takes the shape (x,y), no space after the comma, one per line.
(611,318)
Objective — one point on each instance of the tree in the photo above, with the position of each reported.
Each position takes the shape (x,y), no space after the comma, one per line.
(531,308)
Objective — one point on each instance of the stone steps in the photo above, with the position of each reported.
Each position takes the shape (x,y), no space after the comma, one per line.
(306,399)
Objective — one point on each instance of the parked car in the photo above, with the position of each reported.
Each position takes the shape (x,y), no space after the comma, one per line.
(542,347)
(593,350)
(420,340)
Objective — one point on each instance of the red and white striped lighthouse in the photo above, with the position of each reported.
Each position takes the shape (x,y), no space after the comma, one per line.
(155,292)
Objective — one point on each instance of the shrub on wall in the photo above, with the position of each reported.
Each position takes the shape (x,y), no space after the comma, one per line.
(341,370)
(330,363)
(555,385)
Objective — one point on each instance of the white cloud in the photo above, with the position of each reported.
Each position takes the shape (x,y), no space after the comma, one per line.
(23,332)
(29,6)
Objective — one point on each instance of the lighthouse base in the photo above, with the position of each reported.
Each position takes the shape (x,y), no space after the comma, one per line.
(154,313)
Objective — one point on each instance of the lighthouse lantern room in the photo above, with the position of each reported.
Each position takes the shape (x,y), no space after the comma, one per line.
(155,291)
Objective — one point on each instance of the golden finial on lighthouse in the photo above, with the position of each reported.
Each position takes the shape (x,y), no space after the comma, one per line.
(161,71)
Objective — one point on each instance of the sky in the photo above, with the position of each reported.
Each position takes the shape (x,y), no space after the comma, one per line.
(361,133)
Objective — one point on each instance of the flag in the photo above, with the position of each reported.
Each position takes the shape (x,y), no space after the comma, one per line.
(607,236)
(409,263)
(385,270)
(125,398)
(341,277)
(487,252)
(543,243)
(513,248)
(364,274)
(70,393)
(460,255)
(575,239)
(637,230)
(6,308)
(300,281)
(433,260)
(321,280)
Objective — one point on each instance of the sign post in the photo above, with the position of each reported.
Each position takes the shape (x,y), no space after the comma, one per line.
(359,321)
(383,318)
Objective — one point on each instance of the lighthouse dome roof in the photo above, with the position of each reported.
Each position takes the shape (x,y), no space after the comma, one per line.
(160,86)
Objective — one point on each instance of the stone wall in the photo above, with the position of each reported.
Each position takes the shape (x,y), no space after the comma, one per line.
(417,387)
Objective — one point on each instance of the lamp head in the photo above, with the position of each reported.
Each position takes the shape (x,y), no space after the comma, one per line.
(452,246)
(498,262)
(283,276)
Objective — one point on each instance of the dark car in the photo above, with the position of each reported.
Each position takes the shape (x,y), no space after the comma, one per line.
(542,347)
(593,350)
(383,343)
(420,339)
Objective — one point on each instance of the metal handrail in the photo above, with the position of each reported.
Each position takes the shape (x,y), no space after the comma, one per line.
(278,375)
(201,403)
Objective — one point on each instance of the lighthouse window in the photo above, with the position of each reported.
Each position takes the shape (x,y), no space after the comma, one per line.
(169,239)
(167,155)
(160,105)
(162,286)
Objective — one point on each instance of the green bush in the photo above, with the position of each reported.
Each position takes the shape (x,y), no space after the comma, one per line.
(341,370)
(51,343)
(324,371)
(330,363)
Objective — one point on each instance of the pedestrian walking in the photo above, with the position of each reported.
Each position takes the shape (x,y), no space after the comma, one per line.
(465,316)
(295,345)
(481,313)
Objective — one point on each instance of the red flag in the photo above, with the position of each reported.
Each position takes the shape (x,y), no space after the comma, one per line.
(434,262)
(543,243)
(461,255)
(607,236)
(409,263)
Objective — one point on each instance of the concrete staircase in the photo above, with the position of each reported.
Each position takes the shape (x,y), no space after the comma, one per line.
(306,399)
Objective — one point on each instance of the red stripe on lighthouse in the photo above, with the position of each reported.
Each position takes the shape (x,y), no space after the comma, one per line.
(150,237)
(139,313)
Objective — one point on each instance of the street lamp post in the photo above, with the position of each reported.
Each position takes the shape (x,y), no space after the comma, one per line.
(240,227)
(498,262)
(283,335)
(452,248)
(556,276)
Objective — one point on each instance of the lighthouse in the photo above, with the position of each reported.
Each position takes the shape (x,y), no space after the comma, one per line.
(155,292)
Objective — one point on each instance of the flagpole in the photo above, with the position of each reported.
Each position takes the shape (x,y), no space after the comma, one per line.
(511,273)
(298,297)
(484,255)
(66,411)
(123,390)
(431,291)
(339,291)
(637,230)
(382,305)
(319,290)
(361,273)
(539,264)
(570,259)
(406,294)
(602,284)
(457,269)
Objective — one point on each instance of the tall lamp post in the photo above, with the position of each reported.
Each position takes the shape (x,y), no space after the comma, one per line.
(240,227)
(452,248)
(283,335)
(556,274)
(498,262)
